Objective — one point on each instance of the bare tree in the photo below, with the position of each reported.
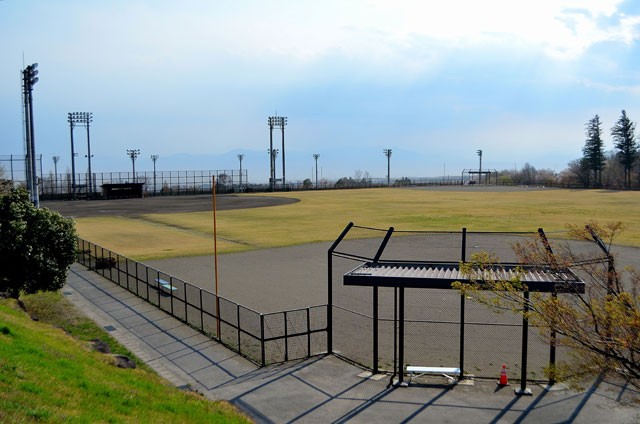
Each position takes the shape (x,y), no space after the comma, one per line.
(601,326)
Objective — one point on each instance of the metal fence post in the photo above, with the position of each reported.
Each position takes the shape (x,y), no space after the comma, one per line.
(330,286)
(238,329)
(286,338)
(308,332)
(462,306)
(262,350)
(201,311)
(525,346)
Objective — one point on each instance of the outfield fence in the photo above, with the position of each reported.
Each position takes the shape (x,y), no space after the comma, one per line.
(262,338)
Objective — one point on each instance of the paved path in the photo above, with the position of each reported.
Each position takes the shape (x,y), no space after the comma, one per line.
(323,389)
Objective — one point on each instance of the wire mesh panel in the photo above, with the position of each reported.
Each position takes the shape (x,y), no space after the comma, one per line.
(297,323)
(318,327)
(274,336)
(193,305)
(415,246)
(499,245)
(178,299)
(209,314)
(249,334)
(229,323)
(432,327)
(352,336)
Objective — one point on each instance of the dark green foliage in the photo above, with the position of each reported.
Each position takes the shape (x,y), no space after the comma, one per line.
(37,246)
(624,139)
(593,149)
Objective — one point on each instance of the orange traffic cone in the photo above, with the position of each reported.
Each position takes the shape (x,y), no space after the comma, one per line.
(504,381)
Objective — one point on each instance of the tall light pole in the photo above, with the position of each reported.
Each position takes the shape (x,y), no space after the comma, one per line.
(480,168)
(82,118)
(133,154)
(276,122)
(273,154)
(29,79)
(55,173)
(154,158)
(387,153)
(316,156)
(71,121)
(240,157)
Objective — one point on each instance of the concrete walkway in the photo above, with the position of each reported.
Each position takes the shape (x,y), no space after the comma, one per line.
(324,389)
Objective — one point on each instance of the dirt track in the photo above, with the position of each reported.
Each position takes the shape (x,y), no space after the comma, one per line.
(162,204)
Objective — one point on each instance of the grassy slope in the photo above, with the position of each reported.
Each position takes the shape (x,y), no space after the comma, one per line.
(48,375)
(320,216)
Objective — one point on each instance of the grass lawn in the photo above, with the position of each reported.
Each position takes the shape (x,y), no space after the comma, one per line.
(321,215)
(47,374)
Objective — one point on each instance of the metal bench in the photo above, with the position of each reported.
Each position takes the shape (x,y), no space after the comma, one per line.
(415,371)
(165,286)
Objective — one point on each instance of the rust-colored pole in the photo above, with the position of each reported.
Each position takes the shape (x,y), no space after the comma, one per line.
(215,254)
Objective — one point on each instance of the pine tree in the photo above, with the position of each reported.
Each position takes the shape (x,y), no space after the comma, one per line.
(593,149)
(624,139)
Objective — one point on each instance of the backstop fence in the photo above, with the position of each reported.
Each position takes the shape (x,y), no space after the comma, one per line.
(160,183)
(262,338)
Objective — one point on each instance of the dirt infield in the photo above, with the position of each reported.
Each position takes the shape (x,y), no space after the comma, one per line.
(161,204)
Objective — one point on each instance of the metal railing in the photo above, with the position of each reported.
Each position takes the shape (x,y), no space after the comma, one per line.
(262,338)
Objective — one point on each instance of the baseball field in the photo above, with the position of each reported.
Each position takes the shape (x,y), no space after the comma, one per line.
(272,252)
(155,228)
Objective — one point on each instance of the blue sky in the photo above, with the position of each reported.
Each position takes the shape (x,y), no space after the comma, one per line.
(195,81)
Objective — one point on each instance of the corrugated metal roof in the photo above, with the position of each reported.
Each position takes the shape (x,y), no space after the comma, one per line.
(431,275)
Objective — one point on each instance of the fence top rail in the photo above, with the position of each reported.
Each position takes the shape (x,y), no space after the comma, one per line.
(191,285)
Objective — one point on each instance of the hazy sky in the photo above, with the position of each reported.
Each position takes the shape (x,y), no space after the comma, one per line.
(195,81)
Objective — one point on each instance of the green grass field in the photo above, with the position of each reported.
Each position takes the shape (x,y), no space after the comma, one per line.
(320,216)
(48,373)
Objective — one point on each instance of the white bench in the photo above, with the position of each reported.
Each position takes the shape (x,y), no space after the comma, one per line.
(165,286)
(445,371)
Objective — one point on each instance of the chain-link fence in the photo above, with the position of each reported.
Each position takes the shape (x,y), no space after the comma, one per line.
(262,338)
(160,183)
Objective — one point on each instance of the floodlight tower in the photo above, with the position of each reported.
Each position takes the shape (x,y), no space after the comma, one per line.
(387,153)
(133,154)
(480,168)
(82,118)
(276,122)
(29,79)
(240,157)
(71,121)
(273,154)
(316,156)
(154,158)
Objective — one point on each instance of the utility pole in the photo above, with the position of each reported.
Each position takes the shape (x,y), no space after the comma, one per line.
(240,157)
(387,153)
(133,154)
(316,156)
(55,173)
(480,169)
(154,158)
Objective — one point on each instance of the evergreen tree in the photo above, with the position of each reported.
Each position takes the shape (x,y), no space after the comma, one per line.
(37,246)
(624,139)
(593,149)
